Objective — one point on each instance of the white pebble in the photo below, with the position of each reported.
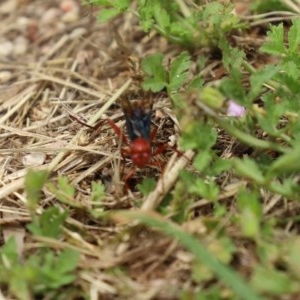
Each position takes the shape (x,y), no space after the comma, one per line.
(21,45)
(70,16)
(51,16)
(77,32)
(34,159)
(6,48)
(5,76)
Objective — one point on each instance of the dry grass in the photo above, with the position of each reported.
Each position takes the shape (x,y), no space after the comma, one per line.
(78,64)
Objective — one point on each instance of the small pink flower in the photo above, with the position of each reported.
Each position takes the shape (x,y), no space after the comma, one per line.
(235,110)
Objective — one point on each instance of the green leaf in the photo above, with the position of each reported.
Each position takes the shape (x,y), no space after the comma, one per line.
(286,188)
(233,59)
(162,17)
(288,162)
(291,256)
(155,84)
(98,191)
(205,188)
(107,14)
(64,192)
(20,288)
(34,182)
(291,69)
(151,63)
(147,186)
(248,168)
(8,255)
(220,165)
(212,98)
(202,160)
(294,37)
(251,212)
(179,71)
(67,261)
(120,4)
(196,83)
(49,224)
(156,74)
(146,15)
(55,271)
(272,281)
(197,136)
(275,43)
(261,77)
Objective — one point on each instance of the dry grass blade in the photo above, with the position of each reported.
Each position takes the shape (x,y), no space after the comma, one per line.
(11,187)
(19,101)
(96,117)
(167,180)
(294,5)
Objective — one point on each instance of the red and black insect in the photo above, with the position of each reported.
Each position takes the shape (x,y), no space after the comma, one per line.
(138,145)
(138,124)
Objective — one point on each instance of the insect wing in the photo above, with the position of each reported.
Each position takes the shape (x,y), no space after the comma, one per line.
(138,117)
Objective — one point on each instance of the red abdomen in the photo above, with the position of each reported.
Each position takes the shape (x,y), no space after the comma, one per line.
(140,152)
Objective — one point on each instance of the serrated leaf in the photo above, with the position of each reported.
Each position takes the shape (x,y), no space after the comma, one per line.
(179,70)
(65,192)
(294,37)
(162,17)
(49,224)
(156,75)
(275,43)
(291,69)
(146,15)
(153,84)
(98,191)
(203,188)
(152,63)
(248,168)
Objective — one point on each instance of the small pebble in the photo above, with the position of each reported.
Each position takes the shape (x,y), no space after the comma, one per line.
(21,45)
(34,159)
(77,32)
(70,16)
(5,76)
(8,7)
(6,48)
(22,22)
(51,16)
